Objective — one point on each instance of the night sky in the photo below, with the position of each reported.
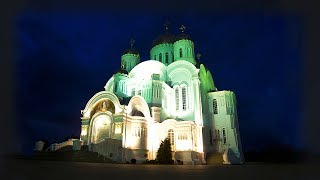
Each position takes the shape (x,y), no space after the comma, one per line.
(64,58)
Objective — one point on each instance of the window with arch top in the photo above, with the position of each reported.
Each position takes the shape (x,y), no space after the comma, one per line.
(171,138)
(167,58)
(160,57)
(172,57)
(180,95)
(215,106)
(189,51)
(177,97)
(180,52)
(184,97)
(224,135)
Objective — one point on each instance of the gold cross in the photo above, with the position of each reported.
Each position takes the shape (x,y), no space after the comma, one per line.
(182,28)
(132,41)
(198,56)
(166,24)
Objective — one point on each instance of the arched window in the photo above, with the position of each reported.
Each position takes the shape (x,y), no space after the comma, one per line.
(224,135)
(171,138)
(172,57)
(184,98)
(132,92)
(167,58)
(177,98)
(189,52)
(139,92)
(155,57)
(160,57)
(180,52)
(215,106)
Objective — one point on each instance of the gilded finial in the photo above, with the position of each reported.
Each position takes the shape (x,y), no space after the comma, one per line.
(167,24)
(182,28)
(198,56)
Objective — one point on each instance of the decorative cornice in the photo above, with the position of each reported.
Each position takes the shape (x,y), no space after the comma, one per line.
(184,40)
(161,45)
(131,54)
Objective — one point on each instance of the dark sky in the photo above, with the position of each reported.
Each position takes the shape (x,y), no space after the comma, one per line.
(64,58)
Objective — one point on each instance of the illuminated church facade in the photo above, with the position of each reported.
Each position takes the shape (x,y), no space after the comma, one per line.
(169,96)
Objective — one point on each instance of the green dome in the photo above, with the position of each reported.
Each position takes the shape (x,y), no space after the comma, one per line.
(131,51)
(183,36)
(165,38)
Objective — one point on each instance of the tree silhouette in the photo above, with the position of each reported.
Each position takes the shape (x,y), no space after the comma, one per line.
(164,155)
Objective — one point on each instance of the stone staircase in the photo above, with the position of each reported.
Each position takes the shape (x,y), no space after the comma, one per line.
(78,156)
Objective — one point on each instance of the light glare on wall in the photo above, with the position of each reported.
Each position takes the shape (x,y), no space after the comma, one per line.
(83,131)
(117,129)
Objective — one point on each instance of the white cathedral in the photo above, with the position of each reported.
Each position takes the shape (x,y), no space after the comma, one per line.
(169,96)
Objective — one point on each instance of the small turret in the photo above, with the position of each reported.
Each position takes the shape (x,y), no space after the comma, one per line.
(130,57)
(184,47)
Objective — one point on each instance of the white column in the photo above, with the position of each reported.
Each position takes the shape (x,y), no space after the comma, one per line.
(198,113)
(124,127)
(200,139)
(197,101)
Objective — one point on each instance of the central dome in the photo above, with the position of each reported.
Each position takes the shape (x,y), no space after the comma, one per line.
(130,51)
(183,36)
(165,38)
